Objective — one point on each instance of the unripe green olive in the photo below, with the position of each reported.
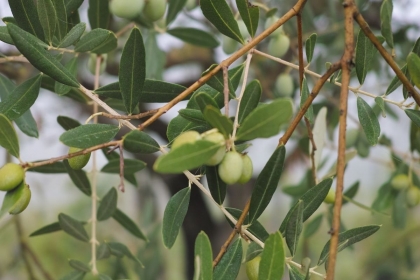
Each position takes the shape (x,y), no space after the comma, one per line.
(186,137)
(413,196)
(279,45)
(284,85)
(253,267)
(78,162)
(246,170)
(128,9)
(17,199)
(216,137)
(400,182)
(229,45)
(269,22)
(154,9)
(92,63)
(11,174)
(330,198)
(191,4)
(230,169)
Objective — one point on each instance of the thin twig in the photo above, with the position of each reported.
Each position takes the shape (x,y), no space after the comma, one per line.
(131,117)
(346,63)
(388,57)
(19,58)
(124,29)
(317,87)
(313,149)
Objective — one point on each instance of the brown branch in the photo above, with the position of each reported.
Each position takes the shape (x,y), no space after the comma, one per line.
(283,140)
(388,57)
(131,117)
(226,63)
(346,63)
(29,165)
(236,229)
(125,29)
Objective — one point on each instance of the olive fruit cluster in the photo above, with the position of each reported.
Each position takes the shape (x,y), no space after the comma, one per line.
(402,182)
(151,10)
(18,193)
(78,162)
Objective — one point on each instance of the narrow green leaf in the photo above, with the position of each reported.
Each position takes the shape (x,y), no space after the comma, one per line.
(140,142)
(74,34)
(203,250)
(395,82)
(104,277)
(155,57)
(67,123)
(74,275)
(381,104)
(413,63)
(250,100)
(79,266)
(97,41)
(98,14)
(235,75)
(369,121)
(120,250)
(193,115)
(217,82)
(351,191)
(73,227)
(216,186)
(253,251)
(131,166)
(103,252)
(386,20)
(61,12)
(132,70)
(399,211)
(272,258)
(79,178)
(305,95)
(60,88)
(217,120)
(310,46)
(174,215)
(414,115)
(266,120)
(72,6)
(186,157)
(45,62)
(256,228)
(294,227)
(229,265)
(194,36)
(47,17)
(128,224)
(266,183)
(56,167)
(46,229)
(365,51)
(217,97)
(8,137)
(21,98)
(108,205)
(174,7)
(89,135)
(250,15)
(178,125)
(348,238)
(5,36)
(220,15)
(203,99)
(296,274)
(312,199)
(27,124)
(26,16)
(312,226)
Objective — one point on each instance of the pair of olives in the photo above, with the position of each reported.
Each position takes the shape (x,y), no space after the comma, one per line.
(151,10)
(18,193)
(233,166)
(401,182)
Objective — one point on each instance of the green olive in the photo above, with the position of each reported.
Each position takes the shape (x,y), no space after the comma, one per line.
(279,45)
(330,198)
(78,162)
(128,9)
(11,174)
(154,9)
(92,63)
(284,85)
(252,268)
(400,182)
(186,137)
(246,170)
(191,4)
(230,169)
(216,137)
(269,22)
(413,196)
(229,45)
(17,199)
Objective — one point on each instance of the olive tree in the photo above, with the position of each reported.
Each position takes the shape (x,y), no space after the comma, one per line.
(281,76)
